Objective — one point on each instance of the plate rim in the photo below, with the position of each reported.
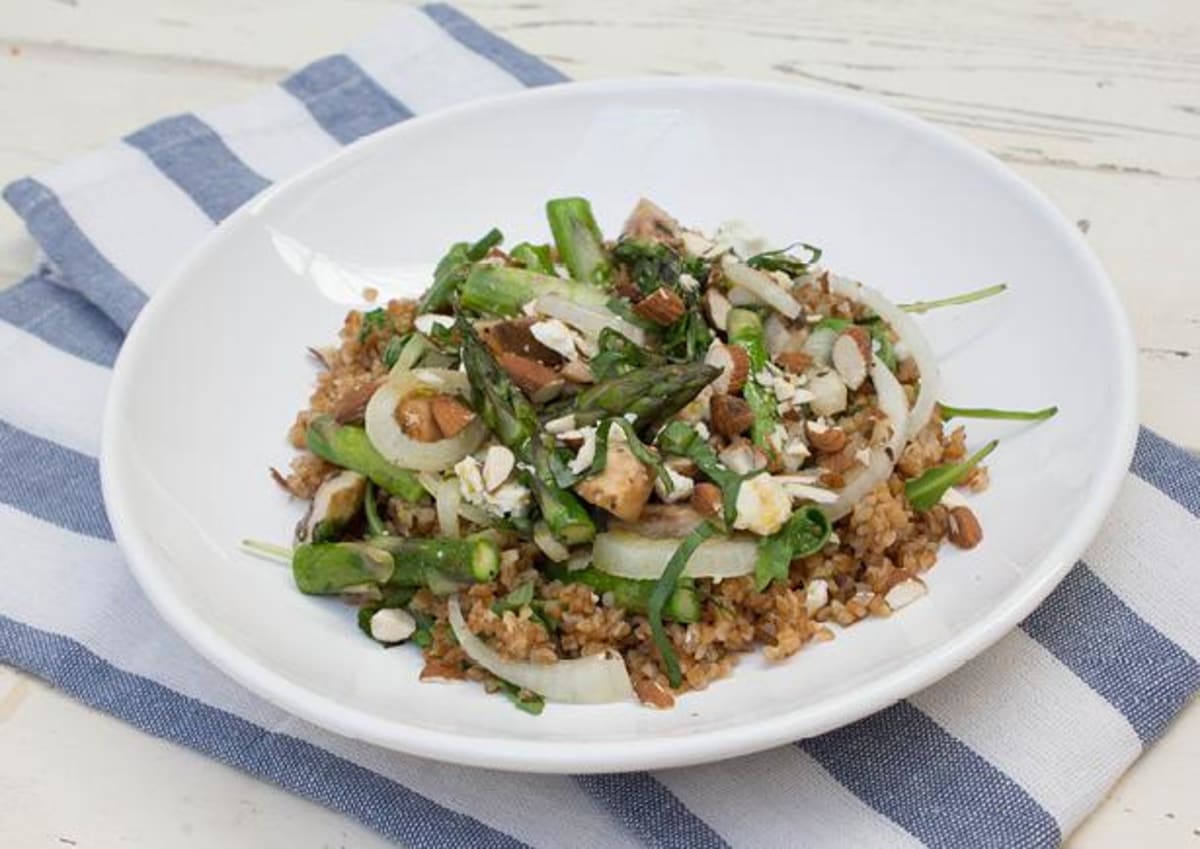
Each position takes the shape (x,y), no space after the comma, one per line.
(524,755)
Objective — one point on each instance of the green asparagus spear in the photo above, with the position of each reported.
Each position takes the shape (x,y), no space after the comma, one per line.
(533,257)
(347,446)
(578,239)
(511,416)
(452,270)
(503,290)
(391,563)
(746,330)
(681,440)
(653,394)
(805,533)
(681,606)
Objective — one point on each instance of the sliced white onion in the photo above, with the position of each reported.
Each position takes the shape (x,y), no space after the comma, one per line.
(390,440)
(448,499)
(913,339)
(894,405)
(631,555)
(588,320)
(761,285)
(593,680)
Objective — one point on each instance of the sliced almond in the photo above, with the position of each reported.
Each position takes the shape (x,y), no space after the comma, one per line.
(905,593)
(734,363)
(731,416)
(536,380)
(662,306)
(515,336)
(451,414)
(353,404)
(742,457)
(415,416)
(498,464)
(825,439)
(849,359)
(717,306)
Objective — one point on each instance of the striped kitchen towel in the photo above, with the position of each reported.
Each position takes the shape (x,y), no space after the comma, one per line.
(1011,751)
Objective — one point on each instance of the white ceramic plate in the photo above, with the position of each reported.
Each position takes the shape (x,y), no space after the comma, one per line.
(214,369)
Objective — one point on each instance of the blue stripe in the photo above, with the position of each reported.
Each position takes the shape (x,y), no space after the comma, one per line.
(196,159)
(47,480)
(81,264)
(387,806)
(526,68)
(62,318)
(1118,654)
(904,765)
(1168,468)
(650,811)
(343,99)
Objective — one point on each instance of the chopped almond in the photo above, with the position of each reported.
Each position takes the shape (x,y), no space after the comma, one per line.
(852,355)
(731,416)
(353,404)
(577,371)
(706,499)
(514,336)
(827,440)
(662,306)
(451,415)
(538,382)
(718,307)
(794,361)
(415,416)
(734,363)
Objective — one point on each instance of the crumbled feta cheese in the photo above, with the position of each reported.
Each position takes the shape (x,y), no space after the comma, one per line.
(587,452)
(737,236)
(688,282)
(392,625)
(562,425)
(702,430)
(905,593)
(430,320)
(556,336)
(762,506)
(470,478)
(816,595)
(681,487)
(512,499)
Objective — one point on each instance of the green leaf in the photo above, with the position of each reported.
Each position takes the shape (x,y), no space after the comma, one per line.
(805,533)
(927,490)
(781,260)
(832,323)
(920,307)
(376,319)
(663,591)
(883,344)
(650,264)
(949,413)
(375,524)
(515,600)
(391,352)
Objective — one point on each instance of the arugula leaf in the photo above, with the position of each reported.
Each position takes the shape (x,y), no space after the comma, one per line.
(927,490)
(780,260)
(515,600)
(805,533)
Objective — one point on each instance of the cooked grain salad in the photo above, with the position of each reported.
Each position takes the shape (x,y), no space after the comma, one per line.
(590,470)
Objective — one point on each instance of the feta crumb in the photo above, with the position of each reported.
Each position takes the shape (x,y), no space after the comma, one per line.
(688,282)
(470,479)
(762,506)
(556,336)
(816,595)
(681,487)
(392,625)
(512,499)
(702,431)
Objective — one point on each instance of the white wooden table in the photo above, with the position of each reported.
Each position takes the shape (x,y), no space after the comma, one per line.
(1097,103)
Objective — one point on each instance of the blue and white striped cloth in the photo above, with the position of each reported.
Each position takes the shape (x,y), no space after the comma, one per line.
(1011,751)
